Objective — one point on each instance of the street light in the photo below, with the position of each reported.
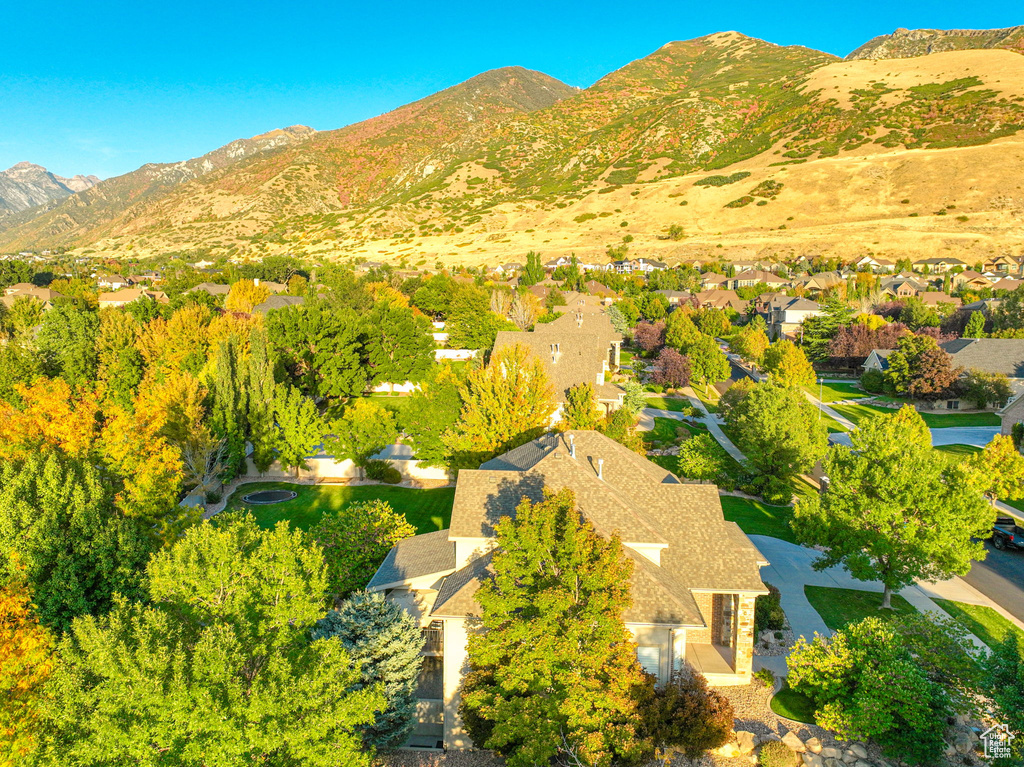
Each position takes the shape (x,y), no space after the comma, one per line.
(821,393)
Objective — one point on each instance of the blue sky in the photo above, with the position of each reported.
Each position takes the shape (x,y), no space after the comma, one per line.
(103,87)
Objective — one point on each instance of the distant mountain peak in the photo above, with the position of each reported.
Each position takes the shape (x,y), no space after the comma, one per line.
(910,43)
(25,185)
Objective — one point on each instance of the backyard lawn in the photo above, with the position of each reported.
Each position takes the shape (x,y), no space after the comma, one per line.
(838,607)
(793,705)
(426,510)
(958,452)
(984,622)
(832,392)
(759,518)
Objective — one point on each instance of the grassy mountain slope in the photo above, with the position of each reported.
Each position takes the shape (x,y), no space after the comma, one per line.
(907,43)
(513,160)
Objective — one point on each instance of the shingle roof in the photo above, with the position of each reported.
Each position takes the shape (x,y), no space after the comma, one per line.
(415,557)
(278,302)
(641,502)
(992,355)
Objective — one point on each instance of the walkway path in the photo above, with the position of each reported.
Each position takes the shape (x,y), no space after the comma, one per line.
(712,421)
(829,411)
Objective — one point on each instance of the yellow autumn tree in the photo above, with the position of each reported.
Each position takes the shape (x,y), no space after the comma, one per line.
(51,413)
(245,295)
(26,661)
(180,343)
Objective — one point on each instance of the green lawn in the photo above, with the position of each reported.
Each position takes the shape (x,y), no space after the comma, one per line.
(984,622)
(832,392)
(838,607)
(427,510)
(793,705)
(1018,505)
(958,452)
(759,518)
(675,404)
(858,412)
(664,431)
(397,404)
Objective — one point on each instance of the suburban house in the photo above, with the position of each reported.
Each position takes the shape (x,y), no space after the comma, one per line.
(26,290)
(1012,414)
(213,288)
(712,280)
(641,265)
(114,282)
(989,355)
(935,297)
(751,277)
(874,264)
(938,265)
(579,347)
(819,283)
(277,302)
(1006,265)
(784,315)
(971,279)
(695,576)
(721,299)
(902,286)
(128,295)
(1005,283)
(675,297)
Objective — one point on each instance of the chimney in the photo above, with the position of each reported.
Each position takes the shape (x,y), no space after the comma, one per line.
(572,446)
(256,281)
(600,468)
(555,352)
(579,319)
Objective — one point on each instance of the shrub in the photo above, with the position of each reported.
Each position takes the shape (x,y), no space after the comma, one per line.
(1017,433)
(778,492)
(872,381)
(768,613)
(686,714)
(775,753)
(765,676)
(213,497)
(744,200)
(382,471)
(721,180)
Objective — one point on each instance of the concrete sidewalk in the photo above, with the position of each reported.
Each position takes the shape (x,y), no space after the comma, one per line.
(830,412)
(791,570)
(648,414)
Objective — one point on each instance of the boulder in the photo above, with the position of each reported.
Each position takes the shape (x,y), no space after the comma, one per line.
(812,760)
(962,742)
(859,750)
(813,745)
(831,753)
(745,741)
(728,751)
(831,761)
(792,740)
(861,763)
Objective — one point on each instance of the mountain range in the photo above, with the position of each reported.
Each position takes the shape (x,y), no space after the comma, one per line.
(910,145)
(25,186)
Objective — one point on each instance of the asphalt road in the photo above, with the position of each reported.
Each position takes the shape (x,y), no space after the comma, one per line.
(1001,578)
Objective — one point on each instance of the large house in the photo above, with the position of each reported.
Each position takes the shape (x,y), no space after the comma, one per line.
(1006,265)
(129,295)
(26,290)
(579,347)
(695,576)
(938,265)
(784,315)
(750,277)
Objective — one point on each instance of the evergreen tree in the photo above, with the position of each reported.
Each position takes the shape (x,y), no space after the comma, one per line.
(554,670)
(975,326)
(819,330)
(260,388)
(680,332)
(386,642)
(895,511)
(533,272)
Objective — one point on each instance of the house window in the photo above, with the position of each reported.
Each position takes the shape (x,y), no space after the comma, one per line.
(650,659)
(953,404)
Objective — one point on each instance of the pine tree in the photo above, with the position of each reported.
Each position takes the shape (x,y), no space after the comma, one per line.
(819,330)
(554,670)
(386,642)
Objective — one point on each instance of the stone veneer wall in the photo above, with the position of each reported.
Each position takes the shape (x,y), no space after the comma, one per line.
(745,636)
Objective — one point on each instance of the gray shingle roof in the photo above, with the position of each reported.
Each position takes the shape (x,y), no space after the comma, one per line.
(992,355)
(278,302)
(415,557)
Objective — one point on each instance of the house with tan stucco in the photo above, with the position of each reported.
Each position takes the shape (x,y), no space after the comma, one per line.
(695,575)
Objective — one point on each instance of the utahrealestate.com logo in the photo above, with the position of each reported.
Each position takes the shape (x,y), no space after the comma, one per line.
(997,741)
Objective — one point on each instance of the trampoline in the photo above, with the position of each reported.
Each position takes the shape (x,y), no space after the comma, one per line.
(264,497)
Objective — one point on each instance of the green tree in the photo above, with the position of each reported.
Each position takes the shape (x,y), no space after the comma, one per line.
(299,427)
(435,295)
(1010,313)
(385,641)
(120,364)
(778,430)
(819,330)
(680,332)
(320,348)
(1000,469)
(708,363)
(700,458)
(750,343)
(919,368)
(713,322)
(533,272)
(261,388)
(228,406)
(975,326)
(635,399)
(25,314)
(355,540)
(363,430)
(580,410)
(433,409)
(59,521)
(67,342)
(787,364)
(850,677)
(472,324)
(505,405)
(18,364)
(987,388)
(220,669)
(894,510)
(554,671)
(1004,670)
(398,344)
